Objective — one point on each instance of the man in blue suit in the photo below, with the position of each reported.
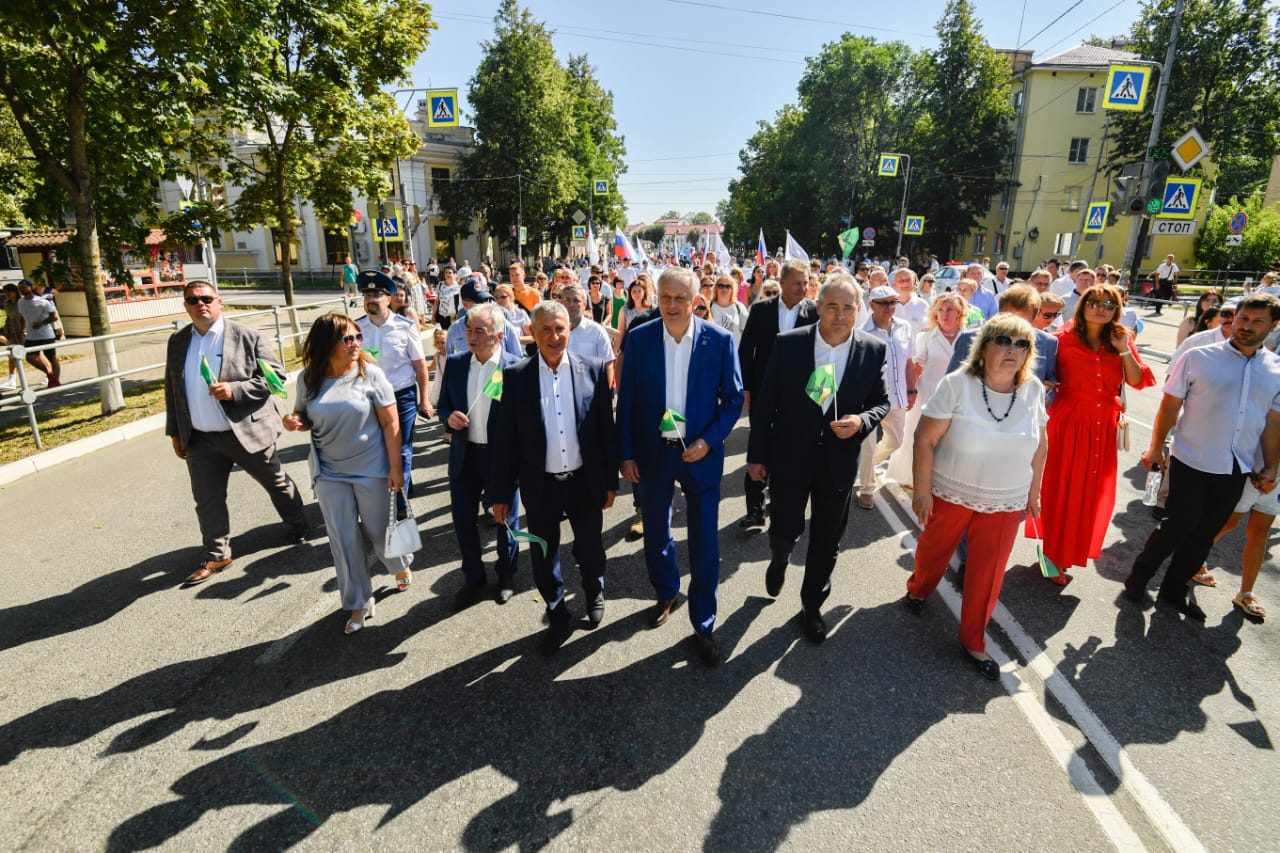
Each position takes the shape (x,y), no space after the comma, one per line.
(1020,299)
(680,395)
(471,416)
(556,437)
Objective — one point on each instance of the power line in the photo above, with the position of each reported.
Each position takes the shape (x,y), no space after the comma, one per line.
(1050,24)
(1106,11)
(799,18)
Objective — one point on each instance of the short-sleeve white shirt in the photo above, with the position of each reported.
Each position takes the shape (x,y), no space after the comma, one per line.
(398,345)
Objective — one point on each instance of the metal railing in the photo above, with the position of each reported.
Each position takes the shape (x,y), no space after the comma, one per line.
(282,315)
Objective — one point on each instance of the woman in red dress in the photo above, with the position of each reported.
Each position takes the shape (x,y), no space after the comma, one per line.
(1095,354)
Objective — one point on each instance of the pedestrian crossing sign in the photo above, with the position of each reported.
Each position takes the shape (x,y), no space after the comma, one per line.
(915,226)
(1096,221)
(1127,87)
(888,165)
(580,233)
(600,187)
(442,108)
(1180,196)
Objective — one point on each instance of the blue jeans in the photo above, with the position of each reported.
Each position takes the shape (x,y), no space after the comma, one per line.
(407,411)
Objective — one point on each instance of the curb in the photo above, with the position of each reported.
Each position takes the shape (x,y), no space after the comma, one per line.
(14,471)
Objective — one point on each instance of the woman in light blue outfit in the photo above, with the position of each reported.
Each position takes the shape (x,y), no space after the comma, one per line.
(349,407)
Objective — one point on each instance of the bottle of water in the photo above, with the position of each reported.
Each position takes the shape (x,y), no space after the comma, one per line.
(1152,490)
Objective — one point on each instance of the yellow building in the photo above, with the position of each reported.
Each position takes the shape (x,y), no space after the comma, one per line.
(1061,151)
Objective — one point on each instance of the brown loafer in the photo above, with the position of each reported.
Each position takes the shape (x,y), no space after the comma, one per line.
(207,569)
(662,611)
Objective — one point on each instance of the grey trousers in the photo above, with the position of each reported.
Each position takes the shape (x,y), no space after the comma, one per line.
(353,510)
(210,456)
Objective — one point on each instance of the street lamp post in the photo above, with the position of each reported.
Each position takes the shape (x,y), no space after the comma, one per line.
(902,214)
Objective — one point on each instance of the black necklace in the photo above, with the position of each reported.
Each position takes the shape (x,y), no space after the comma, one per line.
(1013,399)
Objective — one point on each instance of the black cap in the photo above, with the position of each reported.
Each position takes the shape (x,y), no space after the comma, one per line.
(375,280)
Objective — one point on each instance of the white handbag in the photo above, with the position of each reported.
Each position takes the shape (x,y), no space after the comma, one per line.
(402,536)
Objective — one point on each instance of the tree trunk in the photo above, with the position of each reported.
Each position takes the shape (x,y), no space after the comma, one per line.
(87,243)
(284,242)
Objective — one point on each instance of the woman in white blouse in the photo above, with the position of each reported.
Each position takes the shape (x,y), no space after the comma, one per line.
(726,310)
(979,457)
(934,347)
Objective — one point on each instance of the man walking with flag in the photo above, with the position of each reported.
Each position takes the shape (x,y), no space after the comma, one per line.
(555,437)
(469,408)
(673,421)
(218,413)
(822,394)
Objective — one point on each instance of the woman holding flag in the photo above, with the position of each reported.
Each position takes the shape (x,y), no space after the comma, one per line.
(349,407)
(979,457)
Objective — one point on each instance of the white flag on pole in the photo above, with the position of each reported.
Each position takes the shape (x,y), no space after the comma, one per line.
(641,256)
(723,258)
(593,254)
(793,250)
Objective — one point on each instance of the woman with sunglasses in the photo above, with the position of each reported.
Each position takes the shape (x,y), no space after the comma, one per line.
(726,310)
(349,407)
(1095,356)
(979,456)
(1190,325)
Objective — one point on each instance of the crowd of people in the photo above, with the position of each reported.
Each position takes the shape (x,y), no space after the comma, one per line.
(998,403)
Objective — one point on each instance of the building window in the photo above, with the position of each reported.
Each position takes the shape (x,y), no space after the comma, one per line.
(1087,100)
(1017,100)
(439,178)
(337,245)
(980,243)
(1062,244)
(1071,201)
(1079,150)
(293,250)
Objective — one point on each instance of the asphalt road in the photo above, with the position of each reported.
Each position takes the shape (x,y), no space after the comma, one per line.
(136,713)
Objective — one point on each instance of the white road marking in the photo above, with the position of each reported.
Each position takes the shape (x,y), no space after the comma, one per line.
(277,650)
(1161,815)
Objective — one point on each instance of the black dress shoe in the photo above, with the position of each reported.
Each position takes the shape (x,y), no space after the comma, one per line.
(595,609)
(555,636)
(708,648)
(815,627)
(1186,608)
(506,589)
(776,575)
(467,596)
(915,605)
(662,611)
(298,535)
(752,519)
(1159,513)
(1133,591)
(989,668)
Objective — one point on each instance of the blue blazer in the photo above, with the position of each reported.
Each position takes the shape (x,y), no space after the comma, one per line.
(453,397)
(519,446)
(713,398)
(1046,369)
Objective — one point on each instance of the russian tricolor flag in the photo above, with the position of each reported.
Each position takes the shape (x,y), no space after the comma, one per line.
(761,253)
(621,246)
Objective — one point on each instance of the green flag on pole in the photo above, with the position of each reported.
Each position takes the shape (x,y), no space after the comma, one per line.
(669,420)
(822,384)
(493,388)
(206,372)
(374,352)
(848,241)
(525,536)
(274,380)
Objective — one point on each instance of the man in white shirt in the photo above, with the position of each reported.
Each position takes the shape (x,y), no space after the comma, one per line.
(1166,276)
(627,273)
(1225,399)
(1067,283)
(899,349)
(912,308)
(40,317)
(588,337)
(396,346)
(1082,279)
(1001,282)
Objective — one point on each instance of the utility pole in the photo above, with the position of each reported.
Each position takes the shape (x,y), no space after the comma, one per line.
(519,214)
(902,215)
(1162,93)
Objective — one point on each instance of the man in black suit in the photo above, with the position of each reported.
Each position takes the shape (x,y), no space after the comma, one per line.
(806,431)
(555,435)
(769,318)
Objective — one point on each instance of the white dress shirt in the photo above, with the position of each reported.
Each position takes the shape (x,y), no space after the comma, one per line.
(676,356)
(900,348)
(558,418)
(477,377)
(913,312)
(589,339)
(787,316)
(837,356)
(398,344)
(207,414)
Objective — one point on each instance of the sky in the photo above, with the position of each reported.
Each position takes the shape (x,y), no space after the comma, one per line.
(687,103)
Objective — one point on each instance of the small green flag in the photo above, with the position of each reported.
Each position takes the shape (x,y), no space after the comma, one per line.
(822,384)
(525,536)
(669,420)
(374,352)
(493,388)
(848,241)
(1047,568)
(206,371)
(274,380)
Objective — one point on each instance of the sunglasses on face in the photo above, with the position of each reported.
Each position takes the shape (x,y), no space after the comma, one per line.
(1006,342)
(701,309)
(196,300)
(1226,315)
(724,287)
(1051,315)
(352,339)
(1098,305)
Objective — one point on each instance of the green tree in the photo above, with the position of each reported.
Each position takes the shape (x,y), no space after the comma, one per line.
(777,184)
(103,94)
(524,127)
(17,173)
(598,151)
(309,88)
(1260,242)
(654,234)
(701,218)
(694,237)
(961,144)
(1225,83)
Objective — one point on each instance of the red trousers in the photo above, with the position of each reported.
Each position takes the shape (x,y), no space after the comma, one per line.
(991,538)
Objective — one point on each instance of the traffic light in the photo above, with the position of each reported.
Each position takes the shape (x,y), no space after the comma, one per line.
(1153,187)
(1127,186)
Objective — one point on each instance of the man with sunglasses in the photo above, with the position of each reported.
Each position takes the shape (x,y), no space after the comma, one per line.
(218,413)
(896,335)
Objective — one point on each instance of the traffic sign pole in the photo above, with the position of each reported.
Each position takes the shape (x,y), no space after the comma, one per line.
(902,214)
(1162,93)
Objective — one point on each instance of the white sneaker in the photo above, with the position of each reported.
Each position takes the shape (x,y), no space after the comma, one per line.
(10,383)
